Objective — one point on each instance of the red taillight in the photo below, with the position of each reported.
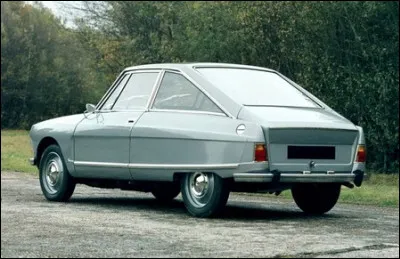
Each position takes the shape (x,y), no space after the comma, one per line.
(260,153)
(361,154)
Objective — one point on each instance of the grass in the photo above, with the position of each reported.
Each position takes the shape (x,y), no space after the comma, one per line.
(15,151)
(378,189)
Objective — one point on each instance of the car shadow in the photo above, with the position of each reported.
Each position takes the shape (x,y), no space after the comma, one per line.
(242,212)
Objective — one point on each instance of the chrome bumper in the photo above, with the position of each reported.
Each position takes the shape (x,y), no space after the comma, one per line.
(294,178)
(32,161)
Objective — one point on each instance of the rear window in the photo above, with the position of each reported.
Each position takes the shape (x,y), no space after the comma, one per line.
(256,87)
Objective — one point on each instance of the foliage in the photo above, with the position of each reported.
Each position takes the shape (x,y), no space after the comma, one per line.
(44,70)
(346,53)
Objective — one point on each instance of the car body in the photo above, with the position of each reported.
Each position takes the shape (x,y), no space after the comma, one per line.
(204,129)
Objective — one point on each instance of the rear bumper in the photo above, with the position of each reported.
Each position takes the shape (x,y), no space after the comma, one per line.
(356,177)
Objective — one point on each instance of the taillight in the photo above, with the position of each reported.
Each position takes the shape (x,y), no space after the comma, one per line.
(361,154)
(260,153)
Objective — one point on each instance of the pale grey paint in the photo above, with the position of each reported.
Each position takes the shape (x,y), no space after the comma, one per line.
(61,129)
(284,126)
(104,137)
(189,138)
(158,144)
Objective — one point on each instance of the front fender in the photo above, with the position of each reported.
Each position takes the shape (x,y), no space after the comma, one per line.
(62,131)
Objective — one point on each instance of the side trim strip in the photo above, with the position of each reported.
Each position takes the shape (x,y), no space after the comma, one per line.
(100,164)
(158,166)
(185,166)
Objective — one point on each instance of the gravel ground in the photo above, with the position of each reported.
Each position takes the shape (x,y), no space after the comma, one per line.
(114,223)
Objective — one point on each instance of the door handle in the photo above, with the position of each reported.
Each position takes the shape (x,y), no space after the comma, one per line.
(130,121)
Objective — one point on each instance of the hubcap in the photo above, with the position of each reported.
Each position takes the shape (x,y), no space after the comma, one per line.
(53,172)
(201,187)
(199,184)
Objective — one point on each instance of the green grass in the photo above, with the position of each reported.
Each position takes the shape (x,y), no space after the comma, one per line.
(15,151)
(378,189)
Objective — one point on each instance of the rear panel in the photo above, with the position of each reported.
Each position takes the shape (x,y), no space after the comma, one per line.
(311,149)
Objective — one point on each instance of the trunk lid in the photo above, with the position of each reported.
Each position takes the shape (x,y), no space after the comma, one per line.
(305,139)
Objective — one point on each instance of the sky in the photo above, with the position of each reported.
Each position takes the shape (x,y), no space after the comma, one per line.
(59,10)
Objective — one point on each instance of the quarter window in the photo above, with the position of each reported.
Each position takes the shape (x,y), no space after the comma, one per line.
(137,91)
(178,93)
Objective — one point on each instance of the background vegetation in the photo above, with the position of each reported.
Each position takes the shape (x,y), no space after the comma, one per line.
(346,53)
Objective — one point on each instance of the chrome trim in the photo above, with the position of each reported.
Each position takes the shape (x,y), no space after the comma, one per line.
(240,129)
(157,166)
(155,90)
(101,164)
(31,161)
(291,178)
(128,76)
(110,89)
(263,163)
(133,110)
(184,166)
(188,111)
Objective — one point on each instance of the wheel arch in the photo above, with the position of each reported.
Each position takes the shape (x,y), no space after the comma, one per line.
(43,144)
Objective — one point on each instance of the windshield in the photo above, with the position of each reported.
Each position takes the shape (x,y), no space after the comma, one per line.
(256,87)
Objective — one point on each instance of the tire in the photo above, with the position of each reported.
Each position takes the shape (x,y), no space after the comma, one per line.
(316,198)
(204,194)
(166,192)
(55,181)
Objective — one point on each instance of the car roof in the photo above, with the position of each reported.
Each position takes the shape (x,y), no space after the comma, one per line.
(180,66)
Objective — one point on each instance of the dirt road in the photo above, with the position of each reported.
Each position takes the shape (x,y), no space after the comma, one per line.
(114,223)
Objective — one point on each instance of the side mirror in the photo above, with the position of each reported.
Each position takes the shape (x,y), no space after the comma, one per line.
(90,107)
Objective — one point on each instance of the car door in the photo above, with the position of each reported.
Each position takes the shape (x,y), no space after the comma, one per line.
(183,131)
(102,139)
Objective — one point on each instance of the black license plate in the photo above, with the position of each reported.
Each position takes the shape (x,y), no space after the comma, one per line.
(310,152)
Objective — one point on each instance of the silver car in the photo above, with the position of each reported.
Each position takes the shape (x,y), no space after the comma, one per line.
(203,130)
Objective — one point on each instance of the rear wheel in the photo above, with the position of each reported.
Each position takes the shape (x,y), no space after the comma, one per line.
(166,191)
(204,194)
(55,181)
(316,198)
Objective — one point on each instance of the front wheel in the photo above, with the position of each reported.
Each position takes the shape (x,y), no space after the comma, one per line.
(204,194)
(313,198)
(55,181)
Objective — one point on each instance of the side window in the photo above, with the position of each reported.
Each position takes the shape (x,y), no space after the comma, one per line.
(114,95)
(178,93)
(137,91)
